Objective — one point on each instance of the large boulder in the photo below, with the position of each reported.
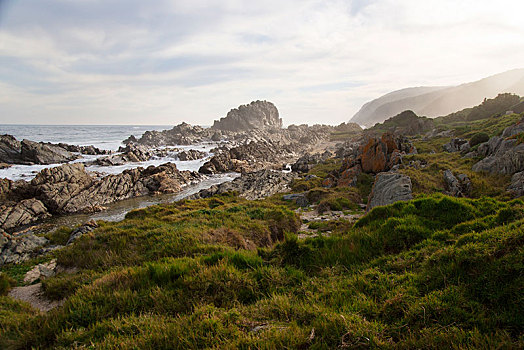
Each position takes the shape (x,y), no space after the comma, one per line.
(56,186)
(517,184)
(252,186)
(457,186)
(256,115)
(457,145)
(514,129)
(19,248)
(508,159)
(26,212)
(9,149)
(191,154)
(389,188)
(42,153)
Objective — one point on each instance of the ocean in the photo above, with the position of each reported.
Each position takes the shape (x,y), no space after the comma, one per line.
(108,137)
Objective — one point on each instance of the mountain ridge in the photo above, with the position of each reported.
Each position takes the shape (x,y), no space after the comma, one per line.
(435,101)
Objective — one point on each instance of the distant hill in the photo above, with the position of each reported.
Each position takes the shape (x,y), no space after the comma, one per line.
(439,101)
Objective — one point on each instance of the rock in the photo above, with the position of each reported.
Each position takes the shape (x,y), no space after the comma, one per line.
(308,161)
(299,198)
(517,184)
(131,153)
(191,154)
(389,188)
(508,159)
(256,115)
(514,129)
(252,186)
(22,213)
(21,248)
(41,271)
(349,176)
(4,165)
(10,149)
(459,186)
(374,155)
(56,186)
(455,145)
(79,231)
(41,153)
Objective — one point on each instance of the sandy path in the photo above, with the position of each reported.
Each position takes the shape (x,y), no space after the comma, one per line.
(33,295)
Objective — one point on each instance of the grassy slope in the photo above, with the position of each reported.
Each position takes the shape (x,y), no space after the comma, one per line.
(435,272)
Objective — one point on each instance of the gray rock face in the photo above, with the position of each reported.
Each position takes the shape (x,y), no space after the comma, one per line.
(256,115)
(502,156)
(299,198)
(457,145)
(56,186)
(20,248)
(41,153)
(508,159)
(22,213)
(9,149)
(389,188)
(41,271)
(457,186)
(308,161)
(79,231)
(252,186)
(514,129)
(191,154)
(517,184)
(131,153)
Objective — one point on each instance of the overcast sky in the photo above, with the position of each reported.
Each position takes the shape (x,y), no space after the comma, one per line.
(164,62)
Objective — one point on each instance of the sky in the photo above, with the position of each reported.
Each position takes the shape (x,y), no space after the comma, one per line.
(162,62)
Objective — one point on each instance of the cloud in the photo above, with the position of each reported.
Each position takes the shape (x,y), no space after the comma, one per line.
(138,62)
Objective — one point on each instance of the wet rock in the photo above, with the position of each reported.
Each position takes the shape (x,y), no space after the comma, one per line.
(252,186)
(389,188)
(516,188)
(79,231)
(10,149)
(41,153)
(456,145)
(256,115)
(41,271)
(191,154)
(131,153)
(459,186)
(22,213)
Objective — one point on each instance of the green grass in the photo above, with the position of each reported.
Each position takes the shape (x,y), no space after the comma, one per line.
(435,272)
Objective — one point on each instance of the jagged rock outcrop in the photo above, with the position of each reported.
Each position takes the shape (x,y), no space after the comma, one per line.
(41,271)
(514,129)
(308,161)
(56,186)
(404,123)
(389,188)
(256,115)
(13,151)
(252,186)
(130,153)
(18,248)
(22,213)
(516,188)
(191,154)
(502,155)
(457,145)
(82,230)
(41,153)
(457,186)
(247,158)
(10,149)
(165,178)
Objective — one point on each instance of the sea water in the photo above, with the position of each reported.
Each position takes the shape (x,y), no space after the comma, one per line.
(107,137)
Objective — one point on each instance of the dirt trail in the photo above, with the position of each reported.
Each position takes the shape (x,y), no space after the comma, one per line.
(33,295)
